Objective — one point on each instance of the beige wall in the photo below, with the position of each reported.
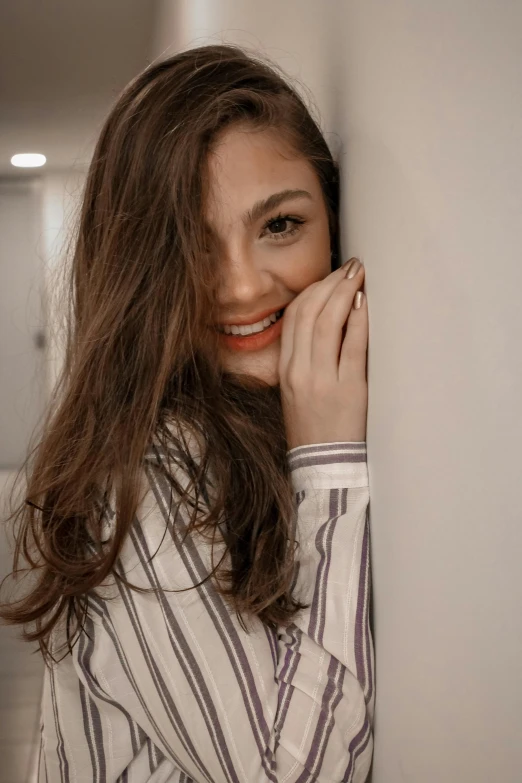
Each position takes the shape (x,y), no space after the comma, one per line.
(38,215)
(22,362)
(61,194)
(426,100)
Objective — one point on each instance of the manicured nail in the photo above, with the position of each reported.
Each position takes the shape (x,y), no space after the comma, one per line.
(353,269)
(347,263)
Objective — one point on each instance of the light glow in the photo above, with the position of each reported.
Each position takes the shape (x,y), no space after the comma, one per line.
(28,160)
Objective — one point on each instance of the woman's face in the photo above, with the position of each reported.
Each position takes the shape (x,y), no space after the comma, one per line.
(267,210)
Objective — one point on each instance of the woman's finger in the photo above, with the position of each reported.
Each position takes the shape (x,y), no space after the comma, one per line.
(304,312)
(354,349)
(328,333)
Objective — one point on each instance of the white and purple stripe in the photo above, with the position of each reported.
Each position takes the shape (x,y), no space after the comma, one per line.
(167,687)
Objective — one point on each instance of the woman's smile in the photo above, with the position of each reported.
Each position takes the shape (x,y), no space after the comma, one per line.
(263,333)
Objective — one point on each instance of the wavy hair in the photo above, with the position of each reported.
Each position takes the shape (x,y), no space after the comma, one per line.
(140,359)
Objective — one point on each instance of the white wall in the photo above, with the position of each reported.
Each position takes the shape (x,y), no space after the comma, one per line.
(426,99)
(298,37)
(36,215)
(22,362)
(61,196)
(433,176)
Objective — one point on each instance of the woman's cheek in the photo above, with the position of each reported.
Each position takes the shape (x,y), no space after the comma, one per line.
(311,262)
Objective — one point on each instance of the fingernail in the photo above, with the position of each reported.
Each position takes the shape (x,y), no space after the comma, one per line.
(359,298)
(353,269)
(346,263)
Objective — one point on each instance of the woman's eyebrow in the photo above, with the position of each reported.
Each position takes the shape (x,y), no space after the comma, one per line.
(263,206)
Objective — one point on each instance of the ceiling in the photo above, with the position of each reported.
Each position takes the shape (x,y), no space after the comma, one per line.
(62,64)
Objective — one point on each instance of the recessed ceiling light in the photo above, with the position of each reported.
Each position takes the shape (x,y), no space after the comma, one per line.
(28,159)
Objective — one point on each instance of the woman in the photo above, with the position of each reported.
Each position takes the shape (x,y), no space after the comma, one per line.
(196,512)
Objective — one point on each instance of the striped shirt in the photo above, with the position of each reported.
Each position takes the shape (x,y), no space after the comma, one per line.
(167,686)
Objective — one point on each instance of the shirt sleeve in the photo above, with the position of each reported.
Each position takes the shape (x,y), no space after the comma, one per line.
(168,685)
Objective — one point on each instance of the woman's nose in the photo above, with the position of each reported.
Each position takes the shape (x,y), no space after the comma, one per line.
(244,278)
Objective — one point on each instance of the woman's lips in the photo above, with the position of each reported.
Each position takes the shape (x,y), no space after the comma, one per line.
(253,342)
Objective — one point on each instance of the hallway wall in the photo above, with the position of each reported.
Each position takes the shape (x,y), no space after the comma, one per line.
(21,680)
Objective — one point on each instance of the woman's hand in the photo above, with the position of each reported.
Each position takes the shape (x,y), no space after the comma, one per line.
(322,366)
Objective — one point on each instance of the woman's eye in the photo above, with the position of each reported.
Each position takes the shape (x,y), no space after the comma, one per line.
(278,226)
(282,227)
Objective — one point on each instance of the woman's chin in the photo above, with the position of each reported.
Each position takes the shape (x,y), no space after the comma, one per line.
(263,365)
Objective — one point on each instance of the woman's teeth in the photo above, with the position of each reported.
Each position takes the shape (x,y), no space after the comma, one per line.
(260,326)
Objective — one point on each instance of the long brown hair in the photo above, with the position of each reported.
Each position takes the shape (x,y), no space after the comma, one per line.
(140,359)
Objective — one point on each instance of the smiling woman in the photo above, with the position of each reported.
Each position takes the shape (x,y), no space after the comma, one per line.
(270,251)
(196,509)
